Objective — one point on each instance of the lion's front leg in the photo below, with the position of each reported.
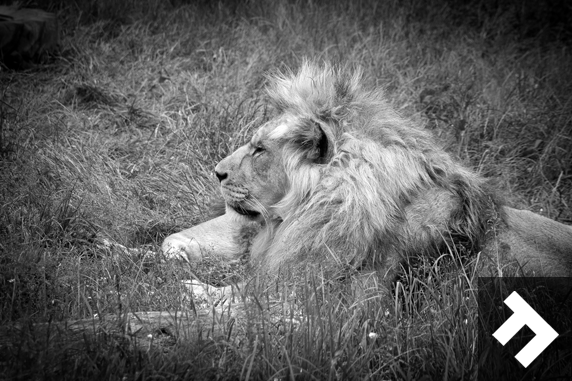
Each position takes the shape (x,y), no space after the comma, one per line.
(226,238)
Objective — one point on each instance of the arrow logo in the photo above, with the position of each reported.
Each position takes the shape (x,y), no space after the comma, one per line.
(524,314)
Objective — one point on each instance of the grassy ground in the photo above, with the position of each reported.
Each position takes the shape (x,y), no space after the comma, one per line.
(117,135)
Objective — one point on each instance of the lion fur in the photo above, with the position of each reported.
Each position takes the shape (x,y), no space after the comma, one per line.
(368,189)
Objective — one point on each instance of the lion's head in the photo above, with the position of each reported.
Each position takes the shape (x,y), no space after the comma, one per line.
(339,173)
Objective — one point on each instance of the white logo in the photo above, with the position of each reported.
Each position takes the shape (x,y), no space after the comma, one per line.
(523,315)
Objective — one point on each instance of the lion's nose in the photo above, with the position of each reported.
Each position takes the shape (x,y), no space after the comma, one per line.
(221,175)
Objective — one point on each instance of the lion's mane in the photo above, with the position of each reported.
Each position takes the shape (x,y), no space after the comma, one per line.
(365,183)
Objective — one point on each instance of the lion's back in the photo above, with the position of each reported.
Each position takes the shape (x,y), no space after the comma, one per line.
(539,245)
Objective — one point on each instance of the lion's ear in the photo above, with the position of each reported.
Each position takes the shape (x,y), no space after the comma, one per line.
(311,139)
(320,149)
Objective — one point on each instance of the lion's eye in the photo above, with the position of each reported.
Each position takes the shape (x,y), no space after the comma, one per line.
(258,150)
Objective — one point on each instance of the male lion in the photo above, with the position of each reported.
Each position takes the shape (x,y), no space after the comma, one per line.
(339,179)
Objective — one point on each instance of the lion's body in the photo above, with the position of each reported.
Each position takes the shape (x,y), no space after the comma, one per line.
(340,179)
(538,245)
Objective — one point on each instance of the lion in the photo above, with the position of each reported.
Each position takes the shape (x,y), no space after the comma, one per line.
(338,178)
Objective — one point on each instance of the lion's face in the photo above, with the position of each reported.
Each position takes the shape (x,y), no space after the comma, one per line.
(252,178)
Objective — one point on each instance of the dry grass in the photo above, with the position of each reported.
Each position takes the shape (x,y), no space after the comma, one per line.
(117,135)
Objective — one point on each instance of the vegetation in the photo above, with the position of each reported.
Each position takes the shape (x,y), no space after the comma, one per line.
(116,137)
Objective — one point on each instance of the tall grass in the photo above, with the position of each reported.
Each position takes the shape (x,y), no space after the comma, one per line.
(117,135)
